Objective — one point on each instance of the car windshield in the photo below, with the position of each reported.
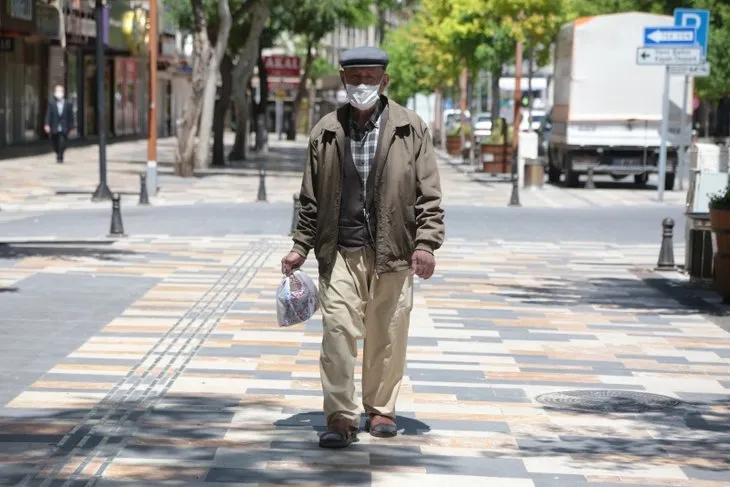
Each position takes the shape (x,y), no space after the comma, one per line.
(484,118)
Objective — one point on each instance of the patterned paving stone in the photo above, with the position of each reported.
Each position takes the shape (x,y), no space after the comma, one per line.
(194,384)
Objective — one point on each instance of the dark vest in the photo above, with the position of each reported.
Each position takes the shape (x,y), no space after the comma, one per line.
(357,214)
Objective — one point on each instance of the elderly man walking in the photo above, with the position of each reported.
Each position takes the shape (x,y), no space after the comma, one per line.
(371,211)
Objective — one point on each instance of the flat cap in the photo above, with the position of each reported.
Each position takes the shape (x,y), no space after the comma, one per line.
(364,57)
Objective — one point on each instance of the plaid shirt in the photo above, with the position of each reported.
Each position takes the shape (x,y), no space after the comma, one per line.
(364,143)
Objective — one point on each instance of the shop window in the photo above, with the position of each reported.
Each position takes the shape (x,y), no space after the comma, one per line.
(31,102)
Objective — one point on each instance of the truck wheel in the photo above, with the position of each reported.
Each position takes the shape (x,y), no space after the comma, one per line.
(641,179)
(669,181)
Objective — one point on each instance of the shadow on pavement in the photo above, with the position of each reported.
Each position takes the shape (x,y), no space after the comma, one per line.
(642,296)
(13,251)
(188,439)
(695,436)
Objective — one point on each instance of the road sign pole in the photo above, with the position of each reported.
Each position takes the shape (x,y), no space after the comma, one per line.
(663,144)
(682,159)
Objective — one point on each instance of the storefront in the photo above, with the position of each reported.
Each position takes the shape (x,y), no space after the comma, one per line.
(129,73)
(21,82)
(80,35)
(168,58)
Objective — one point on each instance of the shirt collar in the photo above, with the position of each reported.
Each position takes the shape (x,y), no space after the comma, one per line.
(373,121)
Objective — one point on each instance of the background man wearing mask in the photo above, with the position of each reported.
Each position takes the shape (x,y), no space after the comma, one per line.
(59,122)
(371,211)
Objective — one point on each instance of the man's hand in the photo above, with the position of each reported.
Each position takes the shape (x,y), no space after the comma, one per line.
(291,262)
(47,128)
(422,264)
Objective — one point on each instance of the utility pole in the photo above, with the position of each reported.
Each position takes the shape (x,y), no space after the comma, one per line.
(152,130)
(102,191)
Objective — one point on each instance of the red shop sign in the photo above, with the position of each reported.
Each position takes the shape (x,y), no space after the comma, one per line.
(281,65)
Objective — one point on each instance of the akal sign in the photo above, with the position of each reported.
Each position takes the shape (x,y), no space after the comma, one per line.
(282,65)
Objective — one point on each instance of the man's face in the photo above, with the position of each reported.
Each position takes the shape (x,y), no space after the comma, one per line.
(59,92)
(365,76)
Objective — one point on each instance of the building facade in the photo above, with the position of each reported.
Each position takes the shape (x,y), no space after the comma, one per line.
(42,45)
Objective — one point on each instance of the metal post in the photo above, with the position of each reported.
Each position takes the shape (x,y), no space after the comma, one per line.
(666,250)
(152,130)
(102,191)
(684,135)
(515,196)
(663,144)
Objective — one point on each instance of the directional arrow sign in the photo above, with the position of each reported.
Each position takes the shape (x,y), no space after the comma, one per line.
(669,36)
(669,56)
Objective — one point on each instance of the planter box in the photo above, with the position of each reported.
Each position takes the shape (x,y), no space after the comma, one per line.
(720,224)
(496,158)
(453,145)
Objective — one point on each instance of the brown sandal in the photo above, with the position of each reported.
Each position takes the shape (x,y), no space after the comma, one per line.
(340,434)
(381,426)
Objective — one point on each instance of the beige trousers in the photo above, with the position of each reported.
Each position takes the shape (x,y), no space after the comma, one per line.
(356,303)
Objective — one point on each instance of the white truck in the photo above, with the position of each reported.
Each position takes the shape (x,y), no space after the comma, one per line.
(607,110)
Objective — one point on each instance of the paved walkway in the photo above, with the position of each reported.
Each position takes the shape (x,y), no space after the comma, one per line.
(192,383)
(38,184)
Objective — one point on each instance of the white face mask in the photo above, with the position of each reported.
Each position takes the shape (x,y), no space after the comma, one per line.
(59,94)
(363,97)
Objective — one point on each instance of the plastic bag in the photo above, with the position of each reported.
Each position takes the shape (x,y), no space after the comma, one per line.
(296,299)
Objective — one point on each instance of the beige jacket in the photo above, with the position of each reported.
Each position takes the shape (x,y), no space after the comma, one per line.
(407,191)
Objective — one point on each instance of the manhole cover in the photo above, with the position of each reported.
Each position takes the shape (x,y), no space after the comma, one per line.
(607,401)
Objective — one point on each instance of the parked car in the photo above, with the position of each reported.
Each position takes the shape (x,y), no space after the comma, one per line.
(482,126)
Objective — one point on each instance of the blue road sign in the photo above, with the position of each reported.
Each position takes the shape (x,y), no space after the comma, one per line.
(698,20)
(669,36)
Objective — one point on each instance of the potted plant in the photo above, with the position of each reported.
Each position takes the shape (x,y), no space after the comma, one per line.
(453,139)
(496,151)
(720,225)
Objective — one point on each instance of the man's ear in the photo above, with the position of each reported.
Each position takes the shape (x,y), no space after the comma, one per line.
(342,77)
(386,82)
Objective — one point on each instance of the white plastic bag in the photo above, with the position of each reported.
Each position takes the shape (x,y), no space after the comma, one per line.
(296,299)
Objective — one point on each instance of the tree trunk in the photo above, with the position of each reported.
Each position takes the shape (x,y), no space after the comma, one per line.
(211,84)
(260,108)
(188,125)
(221,109)
(381,11)
(464,104)
(242,74)
(496,97)
(301,91)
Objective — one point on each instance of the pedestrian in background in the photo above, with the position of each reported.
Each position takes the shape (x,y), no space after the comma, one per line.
(371,212)
(59,122)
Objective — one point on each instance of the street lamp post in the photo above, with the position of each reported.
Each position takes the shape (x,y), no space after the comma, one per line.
(152,131)
(515,197)
(102,191)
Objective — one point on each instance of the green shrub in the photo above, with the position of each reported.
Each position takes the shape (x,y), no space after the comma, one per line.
(721,200)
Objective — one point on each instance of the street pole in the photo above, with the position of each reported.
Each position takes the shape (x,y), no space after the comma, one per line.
(663,143)
(515,197)
(102,191)
(152,130)
(684,135)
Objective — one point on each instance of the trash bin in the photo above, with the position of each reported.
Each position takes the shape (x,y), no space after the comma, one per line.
(534,173)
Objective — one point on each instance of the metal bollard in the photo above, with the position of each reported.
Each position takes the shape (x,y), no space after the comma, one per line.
(295,214)
(262,186)
(117,228)
(514,199)
(666,251)
(590,184)
(144,198)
